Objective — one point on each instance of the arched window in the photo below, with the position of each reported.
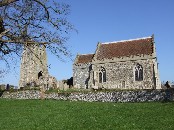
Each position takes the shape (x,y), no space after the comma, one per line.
(102,75)
(138,72)
(40,74)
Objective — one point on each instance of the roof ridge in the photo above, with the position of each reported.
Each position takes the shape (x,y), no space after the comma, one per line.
(127,40)
(87,54)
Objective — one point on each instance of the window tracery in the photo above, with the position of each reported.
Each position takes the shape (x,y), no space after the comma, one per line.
(102,75)
(138,72)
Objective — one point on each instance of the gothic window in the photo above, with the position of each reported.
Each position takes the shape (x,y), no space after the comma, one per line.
(102,75)
(138,72)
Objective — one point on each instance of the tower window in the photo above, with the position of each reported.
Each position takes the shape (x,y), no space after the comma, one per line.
(40,74)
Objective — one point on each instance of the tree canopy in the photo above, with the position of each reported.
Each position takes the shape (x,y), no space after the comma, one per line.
(25,22)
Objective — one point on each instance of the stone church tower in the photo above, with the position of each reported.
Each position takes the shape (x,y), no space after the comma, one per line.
(34,69)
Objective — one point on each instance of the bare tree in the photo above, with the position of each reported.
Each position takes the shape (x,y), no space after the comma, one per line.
(34,22)
(6,2)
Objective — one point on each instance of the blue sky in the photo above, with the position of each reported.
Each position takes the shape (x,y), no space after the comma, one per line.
(113,20)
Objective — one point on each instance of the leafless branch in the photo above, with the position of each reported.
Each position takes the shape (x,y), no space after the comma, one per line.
(6,2)
(34,22)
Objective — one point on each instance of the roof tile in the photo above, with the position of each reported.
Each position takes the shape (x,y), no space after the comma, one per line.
(85,58)
(125,48)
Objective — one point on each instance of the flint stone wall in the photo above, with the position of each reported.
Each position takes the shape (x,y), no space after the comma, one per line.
(119,72)
(32,94)
(81,75)
(115,96)
(119,75)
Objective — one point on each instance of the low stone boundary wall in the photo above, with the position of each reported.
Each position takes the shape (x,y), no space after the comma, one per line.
(114,96)
(28,94)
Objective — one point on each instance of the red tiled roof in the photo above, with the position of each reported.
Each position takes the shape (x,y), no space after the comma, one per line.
(85,58)
(125,48)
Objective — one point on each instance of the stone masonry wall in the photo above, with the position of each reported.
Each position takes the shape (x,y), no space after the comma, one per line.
(114,96)
(32,63)
(81,75)
(122,75)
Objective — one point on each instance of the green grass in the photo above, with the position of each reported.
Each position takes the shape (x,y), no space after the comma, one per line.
(55,115)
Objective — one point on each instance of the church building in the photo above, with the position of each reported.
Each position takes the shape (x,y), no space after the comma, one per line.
(126,64)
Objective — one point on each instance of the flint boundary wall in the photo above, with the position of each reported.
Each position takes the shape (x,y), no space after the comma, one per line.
(114,96)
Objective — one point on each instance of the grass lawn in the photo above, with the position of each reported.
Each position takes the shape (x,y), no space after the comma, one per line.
(52,114)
